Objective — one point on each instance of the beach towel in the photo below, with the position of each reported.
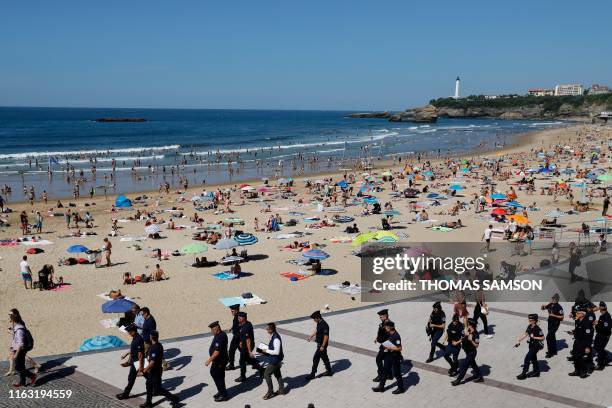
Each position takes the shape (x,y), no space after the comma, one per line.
(41,242)
(9,242)
(225,276)
(352,289)
(107,323)
(61,288)
(441,229)
(106,297)
(229,301)
(295,275)
(255,300)
(287,236)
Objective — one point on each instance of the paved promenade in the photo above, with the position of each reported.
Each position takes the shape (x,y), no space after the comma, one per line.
(95,378)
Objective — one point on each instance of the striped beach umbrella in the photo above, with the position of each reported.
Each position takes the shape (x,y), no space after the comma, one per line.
(192,249)
(101,343)
(246,239)
(315,254)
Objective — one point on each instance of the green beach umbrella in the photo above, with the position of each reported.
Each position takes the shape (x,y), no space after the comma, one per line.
(363,238)
(193,249)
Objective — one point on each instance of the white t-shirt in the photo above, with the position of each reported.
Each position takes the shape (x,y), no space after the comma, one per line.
(24,265)
(487,233)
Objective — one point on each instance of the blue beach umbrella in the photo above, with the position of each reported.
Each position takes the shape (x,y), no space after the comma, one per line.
(342,184)
(433,195)
(456,187)
(392,212)
(315,254)
(370,200)
(514,204)
(101,343)
(75,249)
(246,239)
(117,306)
(498,196)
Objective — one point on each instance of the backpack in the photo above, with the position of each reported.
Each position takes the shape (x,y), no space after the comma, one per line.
(28,341)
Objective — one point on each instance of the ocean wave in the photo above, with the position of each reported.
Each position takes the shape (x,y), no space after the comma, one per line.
(28,155)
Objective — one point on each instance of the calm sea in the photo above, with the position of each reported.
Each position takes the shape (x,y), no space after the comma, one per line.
(212,145)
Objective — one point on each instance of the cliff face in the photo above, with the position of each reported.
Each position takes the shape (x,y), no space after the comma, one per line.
(521,112)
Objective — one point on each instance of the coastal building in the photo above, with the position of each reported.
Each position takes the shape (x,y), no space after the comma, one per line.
(541,92)
(597,89)
(569,90)
(456,96)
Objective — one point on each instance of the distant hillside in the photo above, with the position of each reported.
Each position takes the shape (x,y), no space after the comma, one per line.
(523,107)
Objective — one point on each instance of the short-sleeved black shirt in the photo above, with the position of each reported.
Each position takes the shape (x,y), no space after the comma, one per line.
(246,332)
(148,326)
(322,331)
(219,343)
(137,346)
(454,331)
(156,354)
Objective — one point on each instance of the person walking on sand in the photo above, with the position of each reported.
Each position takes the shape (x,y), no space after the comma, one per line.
(26,272)
(107,248)
(487,237)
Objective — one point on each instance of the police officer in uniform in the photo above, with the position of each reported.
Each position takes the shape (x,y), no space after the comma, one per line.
(247,344)
(536,337)
(233,346)
(217,360)
(435,329)
(591,317)
(583,337)
(452,337)
(470,343)
(153,372)
(321,336)
(381,337)
(136,360)
(392,360)
(603,328)
(555,317)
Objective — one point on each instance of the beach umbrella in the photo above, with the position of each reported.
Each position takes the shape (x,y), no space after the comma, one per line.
(232,259)
(433,195)
(247,188)
(498,196)
(101,343)
(392,212)
(315,254)
(263,189)
(363,238)
(226,243)
(514,204)
(152,229)
(117,306)
(555,214)
(75,249)
(456,187)
(386,236)
(428,173)
(342,184)
(498,211)
(246,239)
(192,249)
(519,219)
(370,200)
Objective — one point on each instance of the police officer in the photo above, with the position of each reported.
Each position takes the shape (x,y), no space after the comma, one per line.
(233,346)
(603,328)
(435,329)
(321,336)
(381,336)
(583,337)
(592,318)
(469,343)
(536,337)
(392,359)
(555,317)
(153,372)
(136,360)
(452,337)
(217,360)
(246,346)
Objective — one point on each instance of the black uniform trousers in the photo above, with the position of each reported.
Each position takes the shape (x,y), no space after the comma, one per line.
(320,355)
(154,387)
(233,346)
(600,343)
(531,358)
(217,372)
(469,361)
(392,364)
(452,351)
(131,380)
(581,357)
(245,358)
(436,334)
(485,322)
(551,339)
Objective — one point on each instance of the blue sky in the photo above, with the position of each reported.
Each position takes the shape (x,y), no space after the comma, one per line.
(353,55)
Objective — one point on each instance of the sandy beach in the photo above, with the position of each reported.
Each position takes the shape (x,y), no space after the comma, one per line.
(186,302)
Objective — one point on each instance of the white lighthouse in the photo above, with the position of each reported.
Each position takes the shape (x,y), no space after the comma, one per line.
(457,88)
